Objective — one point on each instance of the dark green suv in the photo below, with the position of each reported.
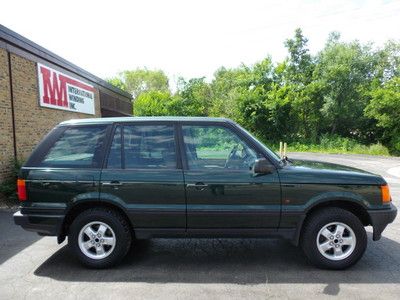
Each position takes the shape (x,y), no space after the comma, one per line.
(105,182)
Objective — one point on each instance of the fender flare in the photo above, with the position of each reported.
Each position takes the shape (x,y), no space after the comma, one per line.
(87,200)
(327,199)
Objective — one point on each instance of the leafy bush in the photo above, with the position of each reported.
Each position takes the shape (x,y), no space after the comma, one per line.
(8,187)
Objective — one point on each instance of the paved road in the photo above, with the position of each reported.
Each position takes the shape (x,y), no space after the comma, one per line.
(34,267)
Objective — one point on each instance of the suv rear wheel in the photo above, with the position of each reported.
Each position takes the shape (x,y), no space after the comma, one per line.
(333,238)
(100,237)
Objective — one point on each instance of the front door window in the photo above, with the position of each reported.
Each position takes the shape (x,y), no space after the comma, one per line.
(216,147)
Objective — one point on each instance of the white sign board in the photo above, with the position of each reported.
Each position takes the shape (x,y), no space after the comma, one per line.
(60,91)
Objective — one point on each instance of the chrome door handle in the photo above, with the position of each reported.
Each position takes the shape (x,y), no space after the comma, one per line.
(112,183)
(198,185)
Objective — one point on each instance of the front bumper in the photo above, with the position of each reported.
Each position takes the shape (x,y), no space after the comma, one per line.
(44,224)
(380,219)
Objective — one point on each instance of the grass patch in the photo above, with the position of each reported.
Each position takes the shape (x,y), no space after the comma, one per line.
(338,145)
(375,149)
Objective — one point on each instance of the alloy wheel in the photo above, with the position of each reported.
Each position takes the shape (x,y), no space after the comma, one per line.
(96,240)
(336,241)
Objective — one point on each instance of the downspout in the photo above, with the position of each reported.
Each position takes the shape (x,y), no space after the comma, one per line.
(12,104)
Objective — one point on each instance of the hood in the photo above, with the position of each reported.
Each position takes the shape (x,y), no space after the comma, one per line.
(309,171)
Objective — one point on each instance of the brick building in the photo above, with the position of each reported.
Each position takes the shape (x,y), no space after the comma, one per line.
(39,89)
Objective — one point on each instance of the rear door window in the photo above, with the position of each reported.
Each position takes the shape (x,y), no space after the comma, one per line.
(77,147)
(144,147)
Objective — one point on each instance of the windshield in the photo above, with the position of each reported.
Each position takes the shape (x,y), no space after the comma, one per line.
(271,153)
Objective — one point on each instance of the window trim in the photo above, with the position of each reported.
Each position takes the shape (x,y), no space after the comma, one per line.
(173,125)
(108,147)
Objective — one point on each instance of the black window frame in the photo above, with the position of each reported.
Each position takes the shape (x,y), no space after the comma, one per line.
(109,144)
(178,165)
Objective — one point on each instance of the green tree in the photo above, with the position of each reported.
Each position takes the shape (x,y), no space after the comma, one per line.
(228,86)
(195,97)
(300,64)
(385,108)
(345,72)
(348,90)
(117,82)
(296,95)
(153,103)
(141,80)
(240,93)
(387,62)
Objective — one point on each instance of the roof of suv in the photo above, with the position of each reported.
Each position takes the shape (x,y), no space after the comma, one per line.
(143,119)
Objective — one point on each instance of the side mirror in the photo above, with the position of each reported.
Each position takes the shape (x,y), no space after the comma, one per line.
(262,166)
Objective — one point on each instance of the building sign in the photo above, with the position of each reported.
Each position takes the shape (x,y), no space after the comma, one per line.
(60,91)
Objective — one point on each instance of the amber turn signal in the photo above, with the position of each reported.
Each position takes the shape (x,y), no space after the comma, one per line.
(21,189)
(385,193)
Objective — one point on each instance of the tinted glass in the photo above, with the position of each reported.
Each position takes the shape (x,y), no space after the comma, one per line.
(114,157)
(149,146)
(216,147)
(271,153)
(76,147)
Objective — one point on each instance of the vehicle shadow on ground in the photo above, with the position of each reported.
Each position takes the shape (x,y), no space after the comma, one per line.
(13,239)
(238,261)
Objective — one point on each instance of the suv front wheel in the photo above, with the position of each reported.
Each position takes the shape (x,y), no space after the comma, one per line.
(99,237)
(333,238)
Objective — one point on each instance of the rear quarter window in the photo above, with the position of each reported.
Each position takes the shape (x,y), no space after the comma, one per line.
(78,147)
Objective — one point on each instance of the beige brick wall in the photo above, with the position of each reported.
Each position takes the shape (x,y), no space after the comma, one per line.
(6,134)
(32,122)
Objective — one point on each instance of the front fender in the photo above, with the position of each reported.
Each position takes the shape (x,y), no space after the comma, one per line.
(303,200)
(336,196)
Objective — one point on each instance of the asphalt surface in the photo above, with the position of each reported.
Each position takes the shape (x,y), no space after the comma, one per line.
(36,267)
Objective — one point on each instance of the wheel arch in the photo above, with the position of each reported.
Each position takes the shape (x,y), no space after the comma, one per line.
(81,206)
(354,207)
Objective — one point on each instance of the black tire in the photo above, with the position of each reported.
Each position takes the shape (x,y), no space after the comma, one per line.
(119,226)
(316,222)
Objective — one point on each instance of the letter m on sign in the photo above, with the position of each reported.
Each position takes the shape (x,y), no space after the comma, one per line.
(54,87)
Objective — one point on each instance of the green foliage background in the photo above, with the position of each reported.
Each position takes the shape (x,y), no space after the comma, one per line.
(346,97)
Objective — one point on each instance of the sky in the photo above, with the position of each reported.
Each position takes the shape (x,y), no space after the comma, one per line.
(191,38)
